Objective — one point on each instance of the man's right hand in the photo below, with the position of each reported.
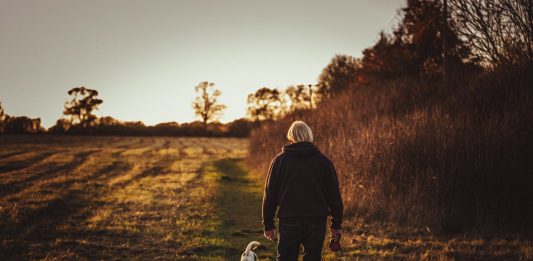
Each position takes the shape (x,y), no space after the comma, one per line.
(335,234)
(271,234)
(334,242)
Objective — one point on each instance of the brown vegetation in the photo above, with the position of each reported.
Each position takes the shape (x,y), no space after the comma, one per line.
(455,163)
(422,140)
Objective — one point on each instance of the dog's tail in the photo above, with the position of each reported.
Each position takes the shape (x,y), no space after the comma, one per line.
(251,246)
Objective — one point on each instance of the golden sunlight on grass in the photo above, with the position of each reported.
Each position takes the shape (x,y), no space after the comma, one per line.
(173,199)
(112,198)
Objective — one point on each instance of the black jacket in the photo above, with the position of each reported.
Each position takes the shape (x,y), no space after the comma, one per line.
(303,183)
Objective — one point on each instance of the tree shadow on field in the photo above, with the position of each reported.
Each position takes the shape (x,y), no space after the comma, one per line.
(23,163)
(34,232)
(239,208)
(46,173)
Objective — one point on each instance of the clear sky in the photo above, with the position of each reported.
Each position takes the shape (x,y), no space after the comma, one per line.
(145,57)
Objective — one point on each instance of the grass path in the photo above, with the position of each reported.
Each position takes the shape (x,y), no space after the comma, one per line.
(234,214)
(239,207)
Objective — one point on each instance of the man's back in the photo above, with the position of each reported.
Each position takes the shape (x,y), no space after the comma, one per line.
(303,183)
(303,178)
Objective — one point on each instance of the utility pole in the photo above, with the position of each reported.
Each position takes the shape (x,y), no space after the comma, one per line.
(310,96)
(444,28)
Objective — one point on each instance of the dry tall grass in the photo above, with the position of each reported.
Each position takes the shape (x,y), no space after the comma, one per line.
(452,158)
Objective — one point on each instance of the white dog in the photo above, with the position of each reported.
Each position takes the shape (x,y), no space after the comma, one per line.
(248,254)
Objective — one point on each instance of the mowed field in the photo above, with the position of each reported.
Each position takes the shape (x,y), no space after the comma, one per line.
(117,198)
(162,198)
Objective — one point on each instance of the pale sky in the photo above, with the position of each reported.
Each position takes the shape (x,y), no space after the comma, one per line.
(145,57)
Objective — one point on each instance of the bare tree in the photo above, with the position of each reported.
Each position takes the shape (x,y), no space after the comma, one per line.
(206,105)
(80,108)
(498,31)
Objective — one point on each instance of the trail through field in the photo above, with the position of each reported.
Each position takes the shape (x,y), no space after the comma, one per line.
(118,198)
(239,207)
(144,198)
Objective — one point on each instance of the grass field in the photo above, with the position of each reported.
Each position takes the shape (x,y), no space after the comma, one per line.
(125,198)
(145,198)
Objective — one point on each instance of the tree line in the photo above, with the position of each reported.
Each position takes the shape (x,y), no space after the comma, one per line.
(432,43)
(263,105)
(79,118)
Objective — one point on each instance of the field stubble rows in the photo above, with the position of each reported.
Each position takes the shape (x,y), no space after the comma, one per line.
(110,197)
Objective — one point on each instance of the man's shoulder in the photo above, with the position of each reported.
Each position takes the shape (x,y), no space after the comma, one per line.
(278,157)
(324,158)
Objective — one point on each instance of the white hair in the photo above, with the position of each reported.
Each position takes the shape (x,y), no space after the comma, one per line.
(299,131)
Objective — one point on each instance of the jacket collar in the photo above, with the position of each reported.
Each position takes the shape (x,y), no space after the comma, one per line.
(300,149)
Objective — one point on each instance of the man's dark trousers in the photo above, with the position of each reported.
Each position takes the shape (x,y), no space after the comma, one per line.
(293,232)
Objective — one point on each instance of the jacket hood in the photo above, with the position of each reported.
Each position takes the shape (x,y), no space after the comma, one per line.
(300,149)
